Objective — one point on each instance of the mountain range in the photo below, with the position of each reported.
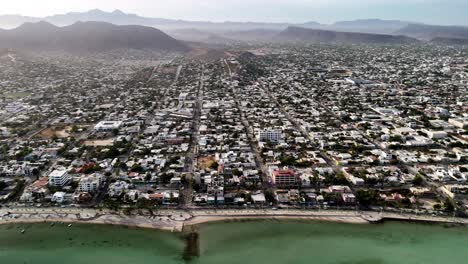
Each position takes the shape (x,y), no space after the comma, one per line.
(218,32)
(87,37)
(297,34)
(97,30)
(429,32)
(223,29)
(120,18)
(103,36)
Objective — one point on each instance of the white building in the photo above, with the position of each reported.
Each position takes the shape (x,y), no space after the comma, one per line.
(14,108)
(269,135)
(183,96)
(348,198)
(59,178)
(356,181)
(58,197)
(4,132)
(108,125)
(459,122)
(118,188)
(435,134)
(90,184)
(419,141)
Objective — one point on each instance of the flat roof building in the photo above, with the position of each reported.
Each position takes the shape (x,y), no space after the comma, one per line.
(108,125)
(59,178)
(269,135)
(285,177)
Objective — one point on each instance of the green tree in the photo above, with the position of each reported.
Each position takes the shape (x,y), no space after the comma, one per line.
(74,129)
(315,181)
(237,172)
(340,179)
(3,185)
(418,180)
(449,205)
(137,168)
(148,176)
(367,197)
(36,172)
(287,161)
(214,165)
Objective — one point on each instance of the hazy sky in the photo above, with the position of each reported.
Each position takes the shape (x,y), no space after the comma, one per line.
(325,11)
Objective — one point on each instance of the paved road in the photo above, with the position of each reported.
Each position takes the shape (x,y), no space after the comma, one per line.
(191,159)
(12,58)
(249,131)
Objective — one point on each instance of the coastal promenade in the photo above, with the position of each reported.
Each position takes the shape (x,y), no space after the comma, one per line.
(175,220)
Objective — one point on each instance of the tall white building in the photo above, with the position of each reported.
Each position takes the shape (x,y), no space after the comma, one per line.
(269,135)
(90,184)
(59,178)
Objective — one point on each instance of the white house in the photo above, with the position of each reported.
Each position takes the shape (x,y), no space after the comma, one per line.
(58,197)
(108,125)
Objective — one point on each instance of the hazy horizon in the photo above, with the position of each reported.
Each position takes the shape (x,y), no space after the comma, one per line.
(440,12)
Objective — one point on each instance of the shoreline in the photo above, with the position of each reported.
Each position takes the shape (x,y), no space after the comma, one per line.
(204,220)
(178,220)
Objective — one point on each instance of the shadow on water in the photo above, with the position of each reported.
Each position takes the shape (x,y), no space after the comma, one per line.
(192,246)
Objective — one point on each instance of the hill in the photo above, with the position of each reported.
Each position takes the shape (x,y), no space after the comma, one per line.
(87,37)
(297,34)
(195,35)
(253,35)
(377,26)
(428,32)
(13,21)
(449,41)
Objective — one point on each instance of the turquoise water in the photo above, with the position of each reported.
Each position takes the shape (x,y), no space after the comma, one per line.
(89,244)
(238,242)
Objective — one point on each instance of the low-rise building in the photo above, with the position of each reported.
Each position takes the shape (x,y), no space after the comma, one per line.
(348,198)
(108,125)
(459,122)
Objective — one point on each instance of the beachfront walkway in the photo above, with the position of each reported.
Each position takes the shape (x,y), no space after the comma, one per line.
(175,220)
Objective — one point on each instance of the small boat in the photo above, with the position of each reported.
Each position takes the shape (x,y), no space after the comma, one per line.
(52,224)
(23,231)
(70,225)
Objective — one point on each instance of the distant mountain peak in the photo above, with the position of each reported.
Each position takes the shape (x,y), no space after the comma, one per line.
(118,12)
(97,11)
(312,23)
(37,25)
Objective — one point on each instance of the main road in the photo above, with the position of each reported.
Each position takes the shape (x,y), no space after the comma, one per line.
(191,158)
